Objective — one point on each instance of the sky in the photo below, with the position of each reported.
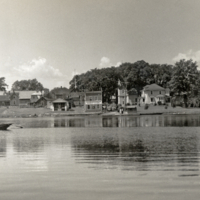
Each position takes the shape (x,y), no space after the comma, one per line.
(51,40)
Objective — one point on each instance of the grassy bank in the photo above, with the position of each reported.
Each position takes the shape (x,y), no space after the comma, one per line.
(13,112)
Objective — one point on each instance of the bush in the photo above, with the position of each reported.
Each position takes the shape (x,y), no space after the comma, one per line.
(155,104)
(159,103)
(146,106)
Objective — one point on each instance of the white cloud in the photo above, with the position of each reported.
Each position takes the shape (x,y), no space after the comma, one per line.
(106,62)
(118,64)
(195,56)
(39,68)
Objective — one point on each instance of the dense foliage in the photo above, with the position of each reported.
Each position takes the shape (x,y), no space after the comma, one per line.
(27,85)
(185,80)
(3,85)
(130,75)
(56,90)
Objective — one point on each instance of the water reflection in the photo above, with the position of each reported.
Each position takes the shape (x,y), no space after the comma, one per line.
(129,121)
(3,146)
(110,121)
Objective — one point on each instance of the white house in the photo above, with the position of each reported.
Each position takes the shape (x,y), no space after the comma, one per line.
(127,97)
(152,94)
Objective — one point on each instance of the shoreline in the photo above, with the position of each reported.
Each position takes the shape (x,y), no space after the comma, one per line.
(96,114)
(78,111)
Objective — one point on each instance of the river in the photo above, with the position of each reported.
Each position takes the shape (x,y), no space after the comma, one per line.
(94,157)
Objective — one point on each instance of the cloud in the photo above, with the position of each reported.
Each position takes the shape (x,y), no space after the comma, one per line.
(106,62)
(195,56)
(118,64)
(39,68)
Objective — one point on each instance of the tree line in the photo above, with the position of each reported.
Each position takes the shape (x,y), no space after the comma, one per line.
(182,78)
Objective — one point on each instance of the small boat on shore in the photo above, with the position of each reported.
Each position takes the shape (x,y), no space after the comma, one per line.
(4,126)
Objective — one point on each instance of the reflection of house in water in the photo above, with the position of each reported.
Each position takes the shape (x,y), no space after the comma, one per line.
(60,122)
(93,122)
(78,122)
(3,146)
(110,122)
(69,122)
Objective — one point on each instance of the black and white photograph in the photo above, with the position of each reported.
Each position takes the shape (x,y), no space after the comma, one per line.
(99,99)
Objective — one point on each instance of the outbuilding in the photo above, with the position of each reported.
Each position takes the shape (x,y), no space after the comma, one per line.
(60,105)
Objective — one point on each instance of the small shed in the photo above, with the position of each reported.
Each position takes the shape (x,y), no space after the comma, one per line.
(44,102)
(60,105)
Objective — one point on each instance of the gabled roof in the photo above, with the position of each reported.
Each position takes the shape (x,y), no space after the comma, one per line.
(38,93)
(153,87)
(47,99)
(59,101)
(25,94)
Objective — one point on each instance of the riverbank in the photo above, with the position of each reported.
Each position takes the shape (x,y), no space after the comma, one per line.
(159,110)
(16,112)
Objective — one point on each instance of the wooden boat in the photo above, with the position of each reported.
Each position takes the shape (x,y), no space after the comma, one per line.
(4,126)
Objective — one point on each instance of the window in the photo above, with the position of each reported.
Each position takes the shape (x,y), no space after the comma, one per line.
(90,98)
(151,99)
(98,106)
(93,106)
(151,92)
(135,99)
(144,100)
(159,92)
(88,106)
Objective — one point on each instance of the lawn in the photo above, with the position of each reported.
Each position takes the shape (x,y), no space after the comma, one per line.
(162,109)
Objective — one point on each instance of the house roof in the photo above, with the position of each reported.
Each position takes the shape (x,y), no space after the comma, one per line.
(4,98)
(47,99)
(25,94)
(59,101)
(153,87)
(38,93)
(132,91)
(93,92)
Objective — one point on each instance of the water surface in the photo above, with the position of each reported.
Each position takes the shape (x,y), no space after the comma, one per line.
(148,157)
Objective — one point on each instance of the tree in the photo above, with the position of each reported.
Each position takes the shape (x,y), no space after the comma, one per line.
(27,85)
(185,79)
(3,85)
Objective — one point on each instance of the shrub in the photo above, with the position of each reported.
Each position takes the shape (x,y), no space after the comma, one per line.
(159,103)
(155,104)
(146,106)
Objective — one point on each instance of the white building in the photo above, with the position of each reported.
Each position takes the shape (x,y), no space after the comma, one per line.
(152,94)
